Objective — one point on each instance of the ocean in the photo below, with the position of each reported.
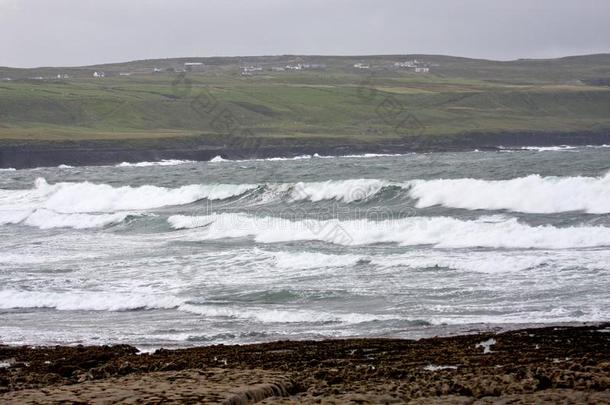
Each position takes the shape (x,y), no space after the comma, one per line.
(179,253)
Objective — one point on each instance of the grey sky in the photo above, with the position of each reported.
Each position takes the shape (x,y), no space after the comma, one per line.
(80,32)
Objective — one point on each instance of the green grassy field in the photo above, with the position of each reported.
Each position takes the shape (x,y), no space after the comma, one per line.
(365,105)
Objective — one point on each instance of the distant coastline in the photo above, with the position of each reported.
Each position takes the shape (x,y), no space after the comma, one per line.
(291,105)
(22,154)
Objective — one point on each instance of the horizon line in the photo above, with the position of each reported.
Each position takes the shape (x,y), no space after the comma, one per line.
(308,55)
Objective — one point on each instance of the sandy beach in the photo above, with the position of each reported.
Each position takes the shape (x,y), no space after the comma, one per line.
(548,365)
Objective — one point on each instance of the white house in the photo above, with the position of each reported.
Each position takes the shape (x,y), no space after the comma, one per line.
(406,64)
(314,66)
(194,66)
(362,66)
(306,66)
(251,69)
(99,74)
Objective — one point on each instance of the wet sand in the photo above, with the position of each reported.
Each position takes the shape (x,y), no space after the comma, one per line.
(547,365)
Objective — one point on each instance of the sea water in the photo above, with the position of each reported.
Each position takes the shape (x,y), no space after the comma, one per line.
(178,253)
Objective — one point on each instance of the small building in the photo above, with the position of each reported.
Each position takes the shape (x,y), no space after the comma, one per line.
(99,75)
(414,65)
(314,66)
(194,66)
(63,76)
(306,66)
(251,69)
(362,66)
(407,64)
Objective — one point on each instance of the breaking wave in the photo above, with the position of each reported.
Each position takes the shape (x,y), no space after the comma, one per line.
(73,204)
(266,315)
(531,194)
(218,158)
(45,219)
(85,301)
(95,205)
(341,190)
(68,197)
(466,261)
(117,301)
(166,162)
(440,232)
(549,148)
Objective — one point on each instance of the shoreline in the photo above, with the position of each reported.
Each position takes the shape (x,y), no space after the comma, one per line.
(24,154)
(541,365)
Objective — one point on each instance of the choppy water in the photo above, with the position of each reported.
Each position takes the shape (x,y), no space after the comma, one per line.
(184,253)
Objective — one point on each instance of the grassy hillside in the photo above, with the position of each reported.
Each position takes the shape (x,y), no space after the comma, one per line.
(334,101)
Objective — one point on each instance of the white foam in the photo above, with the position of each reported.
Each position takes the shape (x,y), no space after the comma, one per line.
(440,232)
(8,169)
(48,206)
(311,260)
(45,219)
(41,258)
(517,314)
(188,222)
(281,159)
(348,191)
(85,301)
(266,315)
(467,261)
(14,216)
(65,167)
(557,148)
(165,162)
(314,156)
(549,148)
(85,197)
(220,159)
(341,190)
(374,155)
(531,194)
(217,159)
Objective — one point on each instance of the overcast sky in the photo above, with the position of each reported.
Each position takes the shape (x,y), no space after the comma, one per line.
(82,32)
